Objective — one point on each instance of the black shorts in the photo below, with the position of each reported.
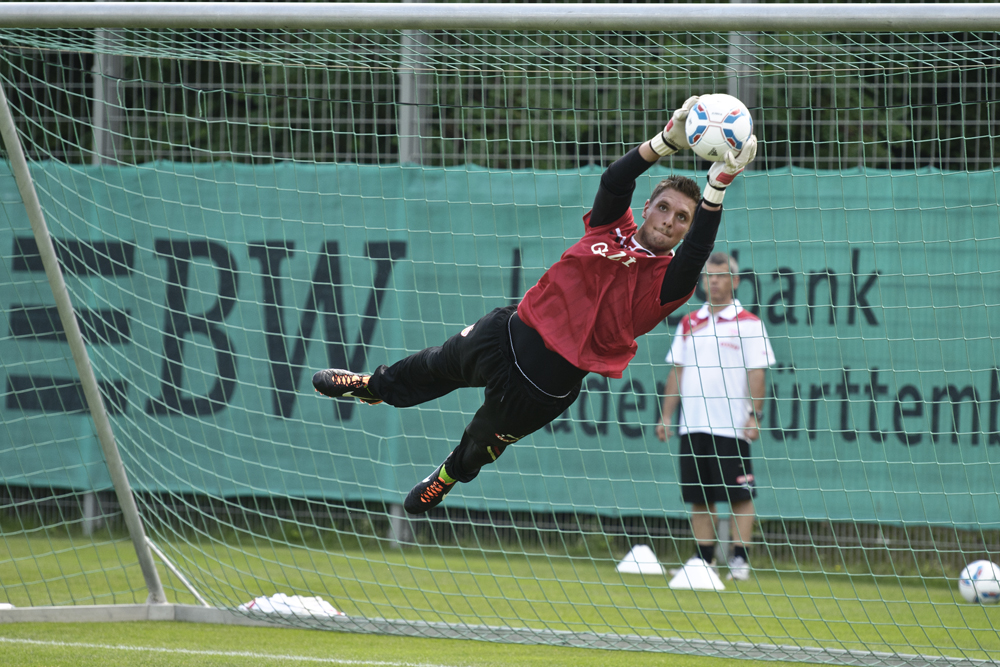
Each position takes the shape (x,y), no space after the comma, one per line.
(715,469)
(479,356)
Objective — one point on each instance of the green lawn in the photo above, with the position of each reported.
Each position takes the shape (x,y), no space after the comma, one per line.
(838,610)
(190,645)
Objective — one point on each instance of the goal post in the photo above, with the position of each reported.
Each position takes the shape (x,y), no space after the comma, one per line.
(239,194)
(74,338)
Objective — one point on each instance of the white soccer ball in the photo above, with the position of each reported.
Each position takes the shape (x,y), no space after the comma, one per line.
(716,124)
(980,582)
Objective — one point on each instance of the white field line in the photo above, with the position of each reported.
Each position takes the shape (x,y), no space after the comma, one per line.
(227,654)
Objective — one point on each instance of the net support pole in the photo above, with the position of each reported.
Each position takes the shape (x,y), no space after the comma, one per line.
(177,573)
(741,80)
(409,130)
(93,513)
(106,72)
(95,402)
(106,104)
(400,531)
(411,94)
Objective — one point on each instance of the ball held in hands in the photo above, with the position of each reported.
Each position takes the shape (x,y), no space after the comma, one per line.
(716,124)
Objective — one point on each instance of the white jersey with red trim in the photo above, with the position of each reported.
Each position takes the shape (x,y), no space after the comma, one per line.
(715,353)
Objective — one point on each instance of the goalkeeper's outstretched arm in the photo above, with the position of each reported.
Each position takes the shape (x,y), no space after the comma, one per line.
(682,275)
(614,195)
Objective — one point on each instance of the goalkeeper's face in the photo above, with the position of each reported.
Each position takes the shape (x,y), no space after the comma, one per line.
(667,218)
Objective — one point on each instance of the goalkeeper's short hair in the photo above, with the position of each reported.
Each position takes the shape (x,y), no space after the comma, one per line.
(681,184)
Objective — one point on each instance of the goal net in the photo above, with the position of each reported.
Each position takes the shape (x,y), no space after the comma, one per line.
(235,209)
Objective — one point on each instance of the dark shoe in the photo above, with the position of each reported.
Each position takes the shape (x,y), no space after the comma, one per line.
(337,383)
(428,494)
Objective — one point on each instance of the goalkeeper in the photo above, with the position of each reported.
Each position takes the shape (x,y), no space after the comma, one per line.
(583,316)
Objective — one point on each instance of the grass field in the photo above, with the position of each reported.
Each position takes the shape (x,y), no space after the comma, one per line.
(911,615)
(190,645)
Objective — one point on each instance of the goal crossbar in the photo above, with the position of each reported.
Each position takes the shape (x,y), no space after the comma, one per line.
(472,16)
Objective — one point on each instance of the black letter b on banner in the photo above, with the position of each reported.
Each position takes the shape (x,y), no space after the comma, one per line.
(179,323)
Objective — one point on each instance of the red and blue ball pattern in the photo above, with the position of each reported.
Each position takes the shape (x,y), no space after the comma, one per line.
(726,126)
(717,124)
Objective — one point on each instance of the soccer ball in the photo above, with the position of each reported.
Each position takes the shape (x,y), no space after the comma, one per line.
(717,124)
(980,582)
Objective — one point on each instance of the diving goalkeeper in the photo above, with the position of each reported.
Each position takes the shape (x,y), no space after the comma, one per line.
(583,316)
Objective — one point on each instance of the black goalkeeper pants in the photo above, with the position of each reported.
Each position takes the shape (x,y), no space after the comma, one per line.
(479,356)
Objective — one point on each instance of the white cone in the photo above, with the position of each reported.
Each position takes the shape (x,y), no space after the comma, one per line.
(697,575)
(640,560)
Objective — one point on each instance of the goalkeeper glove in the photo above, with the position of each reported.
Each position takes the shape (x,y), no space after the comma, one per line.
(673,138)
(721,174)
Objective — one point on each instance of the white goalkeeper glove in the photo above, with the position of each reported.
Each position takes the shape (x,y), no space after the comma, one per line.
(721,174)
(673,138)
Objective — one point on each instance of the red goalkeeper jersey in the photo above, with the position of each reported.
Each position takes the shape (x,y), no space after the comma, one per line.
(602,294)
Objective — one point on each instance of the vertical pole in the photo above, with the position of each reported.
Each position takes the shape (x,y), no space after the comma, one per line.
(723,532)
(106,115)
(400,532)
(411,96)
(409,131)
(105,124)
(742,80)
(92,512)
(741,83)
(130,512)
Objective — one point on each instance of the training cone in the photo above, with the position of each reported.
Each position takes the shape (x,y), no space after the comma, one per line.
(640,560)
(696,575)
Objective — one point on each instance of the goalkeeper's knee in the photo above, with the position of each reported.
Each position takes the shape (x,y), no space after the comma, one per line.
(470,456)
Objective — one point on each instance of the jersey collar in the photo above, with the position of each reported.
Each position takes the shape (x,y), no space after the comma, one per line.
(730,312)
(629,243)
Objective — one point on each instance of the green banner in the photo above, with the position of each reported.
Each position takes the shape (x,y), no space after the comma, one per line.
(211,292)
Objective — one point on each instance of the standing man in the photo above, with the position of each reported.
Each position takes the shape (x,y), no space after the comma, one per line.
(719,356)
(613,285)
